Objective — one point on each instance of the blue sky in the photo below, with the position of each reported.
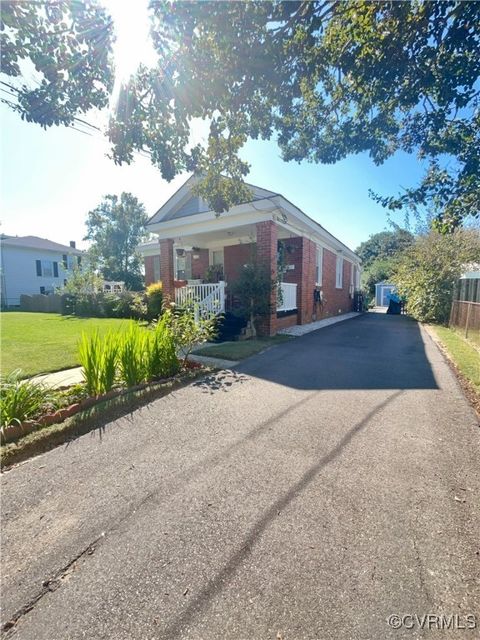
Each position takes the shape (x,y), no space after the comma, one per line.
(51,179)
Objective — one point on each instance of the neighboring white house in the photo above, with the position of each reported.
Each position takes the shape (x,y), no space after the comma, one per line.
(31,265)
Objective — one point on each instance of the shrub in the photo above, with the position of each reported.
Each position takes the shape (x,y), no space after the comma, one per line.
(162,360)
(21,399)
(189,332)
(89,305)
(426,272)
(253,289)
(154,300)
(132,356)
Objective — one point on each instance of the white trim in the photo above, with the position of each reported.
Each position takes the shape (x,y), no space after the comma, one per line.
(338,271)
(319,264)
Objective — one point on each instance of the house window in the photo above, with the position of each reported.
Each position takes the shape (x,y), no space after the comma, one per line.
(183,265)
(318,265)
(47,268)
(217,257)
(156,268)
(339,273)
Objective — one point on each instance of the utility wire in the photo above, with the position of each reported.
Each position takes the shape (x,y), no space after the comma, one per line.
(94,130)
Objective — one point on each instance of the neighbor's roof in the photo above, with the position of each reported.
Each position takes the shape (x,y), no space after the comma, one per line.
(33,242)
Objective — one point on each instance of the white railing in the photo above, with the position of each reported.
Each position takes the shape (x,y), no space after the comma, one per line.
(206,299)
(288,300)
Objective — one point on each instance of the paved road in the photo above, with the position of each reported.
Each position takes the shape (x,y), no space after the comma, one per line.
(321,487)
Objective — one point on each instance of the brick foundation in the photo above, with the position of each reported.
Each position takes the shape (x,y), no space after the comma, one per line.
(286,321)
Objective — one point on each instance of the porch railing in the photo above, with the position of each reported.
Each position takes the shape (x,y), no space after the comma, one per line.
(288,299)
(206,299)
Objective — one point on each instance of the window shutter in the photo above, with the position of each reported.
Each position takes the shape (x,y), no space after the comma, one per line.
(55,269)
(39,267)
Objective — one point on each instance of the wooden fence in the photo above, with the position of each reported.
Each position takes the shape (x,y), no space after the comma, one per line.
(465,316)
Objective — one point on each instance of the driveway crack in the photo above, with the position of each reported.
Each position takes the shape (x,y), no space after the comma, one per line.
(48,585)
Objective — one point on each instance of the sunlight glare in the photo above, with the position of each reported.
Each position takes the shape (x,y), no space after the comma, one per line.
(133,44)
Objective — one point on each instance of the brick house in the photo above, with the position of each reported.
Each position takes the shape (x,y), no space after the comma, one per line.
(320,273)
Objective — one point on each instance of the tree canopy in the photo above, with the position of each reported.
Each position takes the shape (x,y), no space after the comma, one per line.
(115,228)
(384,245)
(65,47)
(326,78)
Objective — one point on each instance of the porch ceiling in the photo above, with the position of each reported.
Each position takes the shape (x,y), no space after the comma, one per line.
(225,237)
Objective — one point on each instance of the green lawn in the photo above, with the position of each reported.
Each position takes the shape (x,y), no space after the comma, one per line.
(464,354)
(41,342)
(241,349)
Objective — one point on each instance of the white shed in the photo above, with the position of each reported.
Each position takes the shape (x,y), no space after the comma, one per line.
(382,293)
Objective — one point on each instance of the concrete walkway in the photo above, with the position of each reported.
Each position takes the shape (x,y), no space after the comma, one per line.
(313,492)
(303,329)
(64,378)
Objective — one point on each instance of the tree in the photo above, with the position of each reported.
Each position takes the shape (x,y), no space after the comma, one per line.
(65,46)
(253,290)
(379,255)
(385,244)
(326,78)
(115,228)
(426,272)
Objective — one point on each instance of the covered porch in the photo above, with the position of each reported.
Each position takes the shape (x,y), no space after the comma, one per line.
(200,266)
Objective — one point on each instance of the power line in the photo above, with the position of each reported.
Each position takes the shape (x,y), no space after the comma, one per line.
(12,91)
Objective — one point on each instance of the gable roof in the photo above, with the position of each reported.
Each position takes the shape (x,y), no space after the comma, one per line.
(34,242)
(183,203)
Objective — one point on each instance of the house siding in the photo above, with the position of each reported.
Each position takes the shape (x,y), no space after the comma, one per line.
(19,272)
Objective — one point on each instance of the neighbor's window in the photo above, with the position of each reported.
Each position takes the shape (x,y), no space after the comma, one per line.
(318,265)
(339,273)
(47,268)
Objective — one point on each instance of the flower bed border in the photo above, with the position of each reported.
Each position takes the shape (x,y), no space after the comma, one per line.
(80,418)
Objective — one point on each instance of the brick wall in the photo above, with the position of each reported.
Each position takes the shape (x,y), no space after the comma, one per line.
(167,268)
(335,300)
(200,264)
(234,257)
(286,321)
(267,255)
(149,277)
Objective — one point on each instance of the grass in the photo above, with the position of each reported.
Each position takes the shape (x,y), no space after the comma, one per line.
(44,342)
(464,355)
(240,349)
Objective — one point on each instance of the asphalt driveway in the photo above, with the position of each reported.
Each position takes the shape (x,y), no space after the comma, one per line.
(320,488)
